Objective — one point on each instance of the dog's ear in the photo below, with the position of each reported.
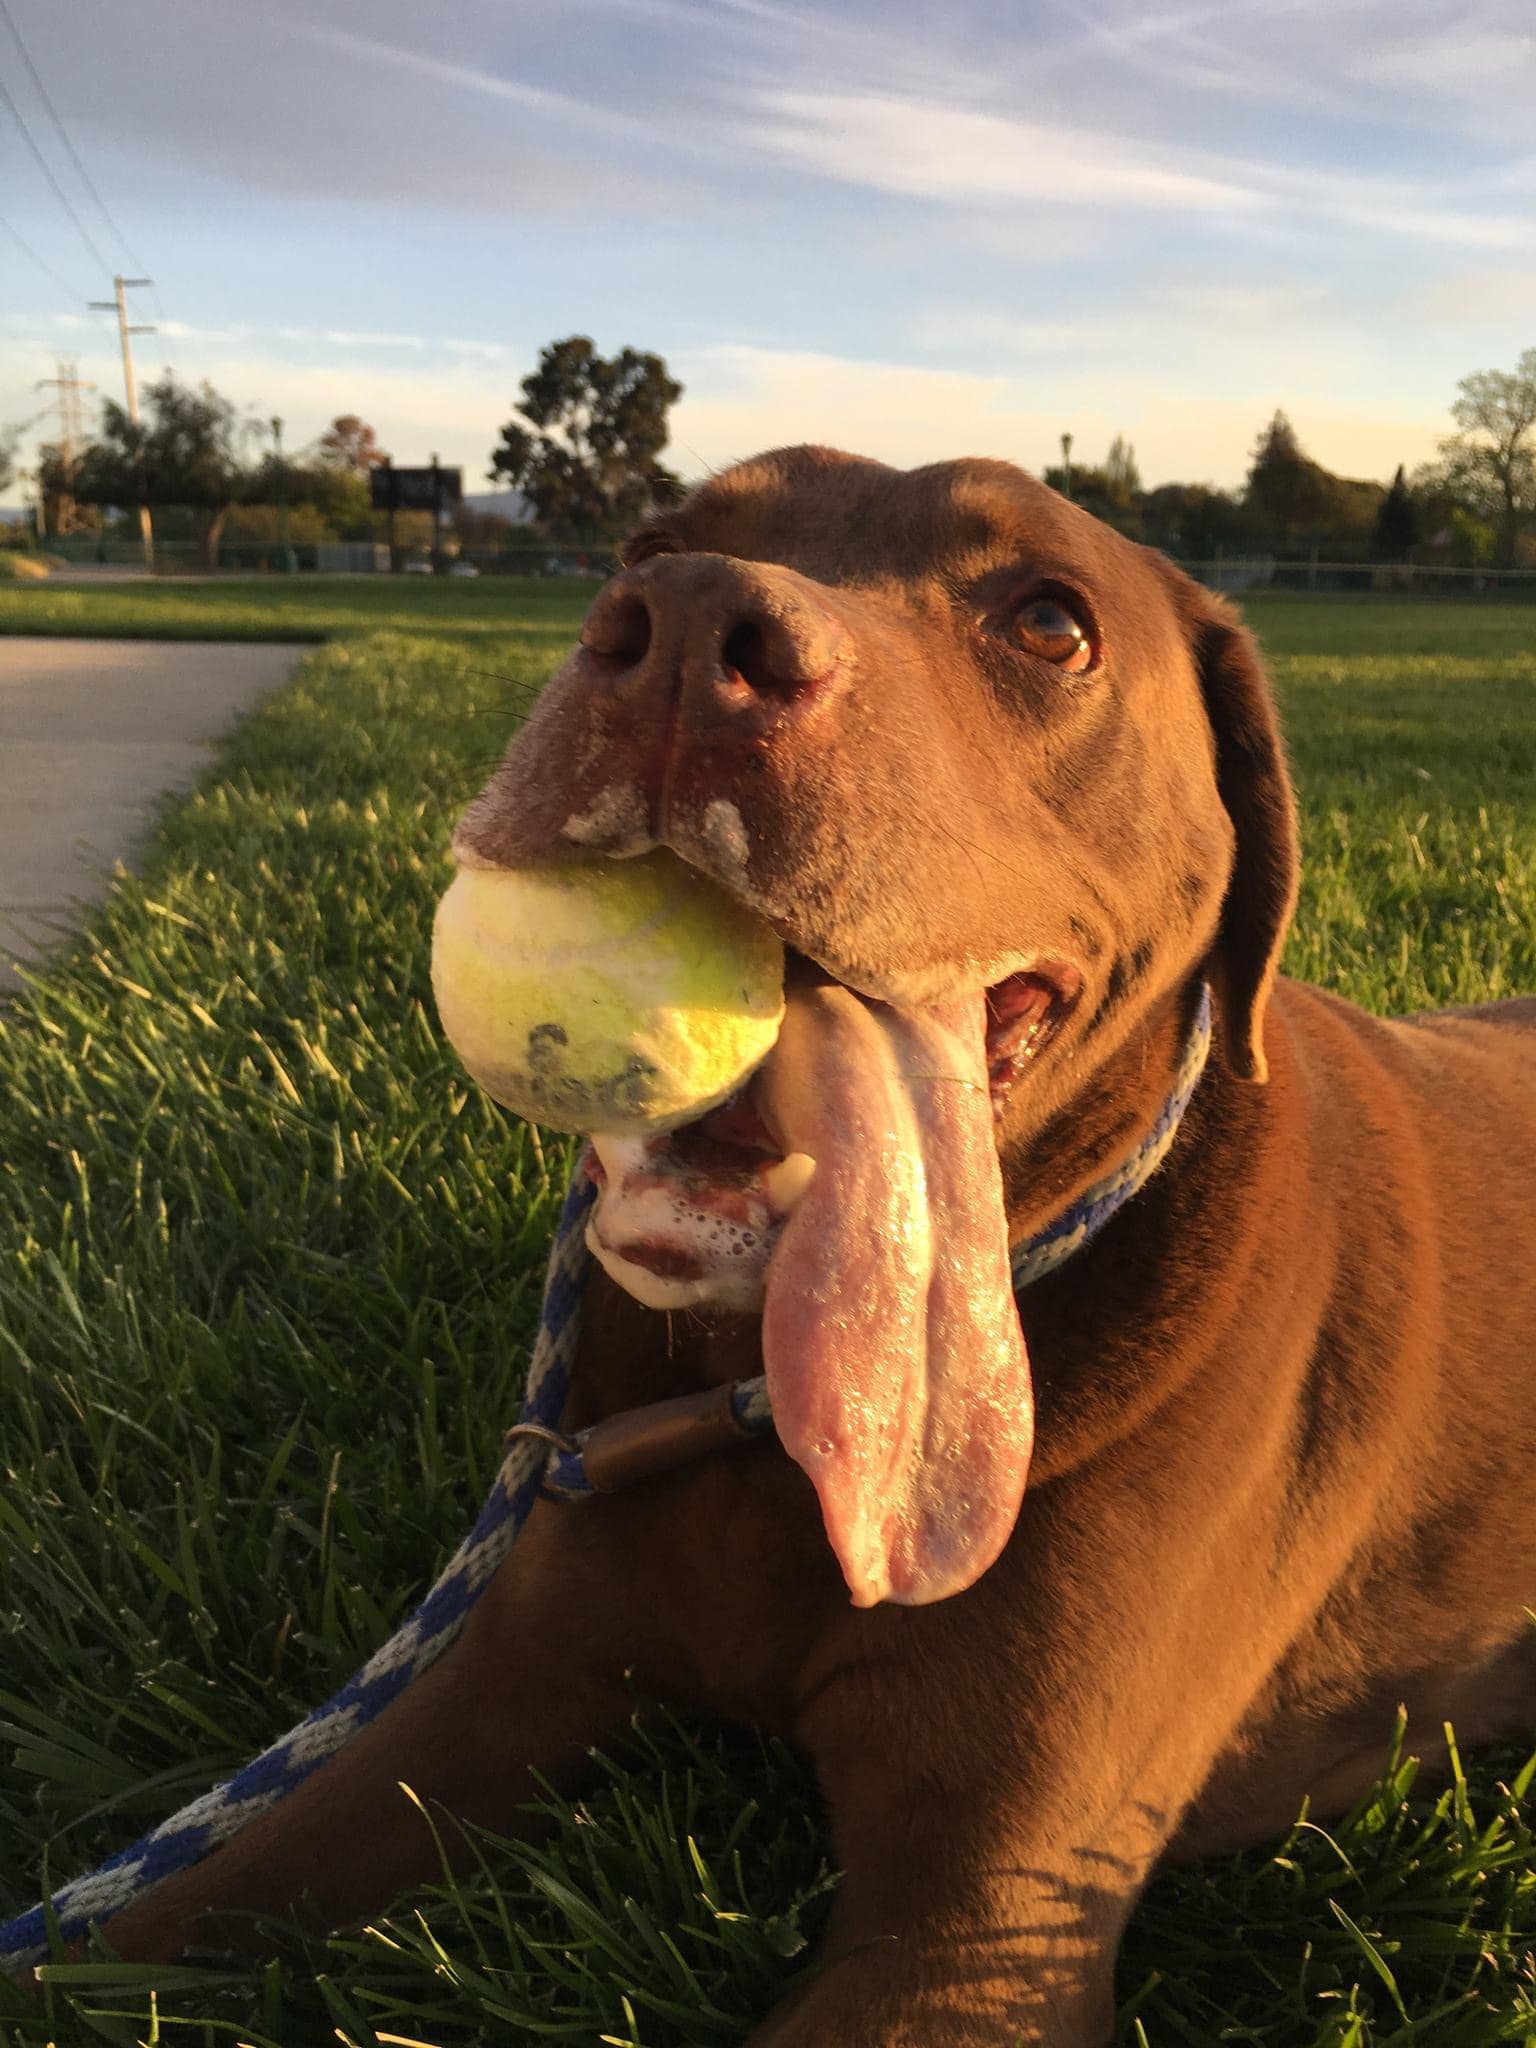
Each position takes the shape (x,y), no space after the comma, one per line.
(1255,789)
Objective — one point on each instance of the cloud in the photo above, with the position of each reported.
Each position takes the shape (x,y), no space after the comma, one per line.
(1460,60)
(1482,298)
(929,149)
(1263,306)
(954,327)
(332,337)
(266,103)
(464,77)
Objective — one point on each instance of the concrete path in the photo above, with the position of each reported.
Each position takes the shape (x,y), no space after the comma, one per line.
(91,731)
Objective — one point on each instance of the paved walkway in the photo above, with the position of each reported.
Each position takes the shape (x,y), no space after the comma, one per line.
(91,731)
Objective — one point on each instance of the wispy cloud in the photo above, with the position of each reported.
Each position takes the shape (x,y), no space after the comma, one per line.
(1481,299)
(465,77)
(928,149)
(450,346)
(1461,58)
(956,327)
(1195,48)
(923,148)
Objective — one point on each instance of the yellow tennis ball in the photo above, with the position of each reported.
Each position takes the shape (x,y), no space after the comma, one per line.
(610,995)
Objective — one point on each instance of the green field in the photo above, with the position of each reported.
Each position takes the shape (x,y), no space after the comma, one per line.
(271,1267)
(297,608)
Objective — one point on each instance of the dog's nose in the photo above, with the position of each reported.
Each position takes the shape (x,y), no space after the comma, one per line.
(729,643)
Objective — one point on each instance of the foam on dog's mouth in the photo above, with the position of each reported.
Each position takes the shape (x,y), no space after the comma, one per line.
(852,1192)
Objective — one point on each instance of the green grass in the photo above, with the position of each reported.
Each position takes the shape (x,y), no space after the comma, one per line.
(303,608)
(270,1272)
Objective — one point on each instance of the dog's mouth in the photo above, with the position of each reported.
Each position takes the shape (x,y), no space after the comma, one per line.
(691,1216)
(850,1191)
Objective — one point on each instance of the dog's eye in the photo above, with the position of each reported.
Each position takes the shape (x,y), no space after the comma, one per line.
(1047,626)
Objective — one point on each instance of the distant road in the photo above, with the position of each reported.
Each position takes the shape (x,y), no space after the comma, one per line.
(91,732)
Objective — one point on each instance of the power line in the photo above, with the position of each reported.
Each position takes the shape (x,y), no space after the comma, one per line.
(67,384)
(60,194)
(119,305)
(47,269)
(63,134)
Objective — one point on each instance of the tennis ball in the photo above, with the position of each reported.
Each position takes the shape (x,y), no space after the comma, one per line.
(610,995)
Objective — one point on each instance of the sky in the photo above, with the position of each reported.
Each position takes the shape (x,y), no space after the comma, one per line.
(912,229)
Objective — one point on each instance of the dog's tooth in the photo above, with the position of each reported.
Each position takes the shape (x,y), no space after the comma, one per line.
(787,1180)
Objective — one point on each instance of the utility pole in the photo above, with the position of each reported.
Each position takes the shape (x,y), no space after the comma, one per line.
(119,305)
(1066,464)
(66,404)
(285,553)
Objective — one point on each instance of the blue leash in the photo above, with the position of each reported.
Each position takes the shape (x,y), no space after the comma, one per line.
(538,1459)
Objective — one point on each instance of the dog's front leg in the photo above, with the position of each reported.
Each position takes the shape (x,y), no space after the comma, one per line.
(960,1922)
(535,1679)
(1004,1769)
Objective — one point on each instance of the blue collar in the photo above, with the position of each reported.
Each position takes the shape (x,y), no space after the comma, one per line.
(1049,1248)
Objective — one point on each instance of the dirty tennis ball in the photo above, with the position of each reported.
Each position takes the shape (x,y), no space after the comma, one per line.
(614,995)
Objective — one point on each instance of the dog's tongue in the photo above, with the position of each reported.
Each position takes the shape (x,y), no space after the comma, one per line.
(895,1360)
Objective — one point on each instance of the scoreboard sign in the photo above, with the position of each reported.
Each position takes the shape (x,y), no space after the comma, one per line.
(414,490)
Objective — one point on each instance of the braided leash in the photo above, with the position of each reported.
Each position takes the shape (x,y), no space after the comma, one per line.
(538,1459)
(193,1833)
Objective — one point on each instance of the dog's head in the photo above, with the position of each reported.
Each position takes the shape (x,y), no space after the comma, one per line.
(940,727)
(962,745)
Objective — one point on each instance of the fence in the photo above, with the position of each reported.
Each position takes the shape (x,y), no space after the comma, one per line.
(328,558)
(1230,573)
(1264,572)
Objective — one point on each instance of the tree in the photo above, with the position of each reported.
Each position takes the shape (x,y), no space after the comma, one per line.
(1471,542)
(187,450)
(1491,462)
(1293,494)
(1397,520)
(1111,491)
(57,488)
(339,497)
(1302,504)
(1120,469)
(9,437)
(349,443)
(585,445)
(1197,522)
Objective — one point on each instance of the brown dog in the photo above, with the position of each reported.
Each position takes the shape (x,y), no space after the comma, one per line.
(949,734)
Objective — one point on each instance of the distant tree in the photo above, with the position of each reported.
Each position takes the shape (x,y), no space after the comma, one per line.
(61,512)
(1300,503)
(9,439)
(187,450)
(585,445)
(1197,522)
(1293,494)
(1491,463)
(1397,520)
(1471,541)
(477,529)
(339,497)
(260,523)
(1120,469)
(1110,491)
(349,443)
